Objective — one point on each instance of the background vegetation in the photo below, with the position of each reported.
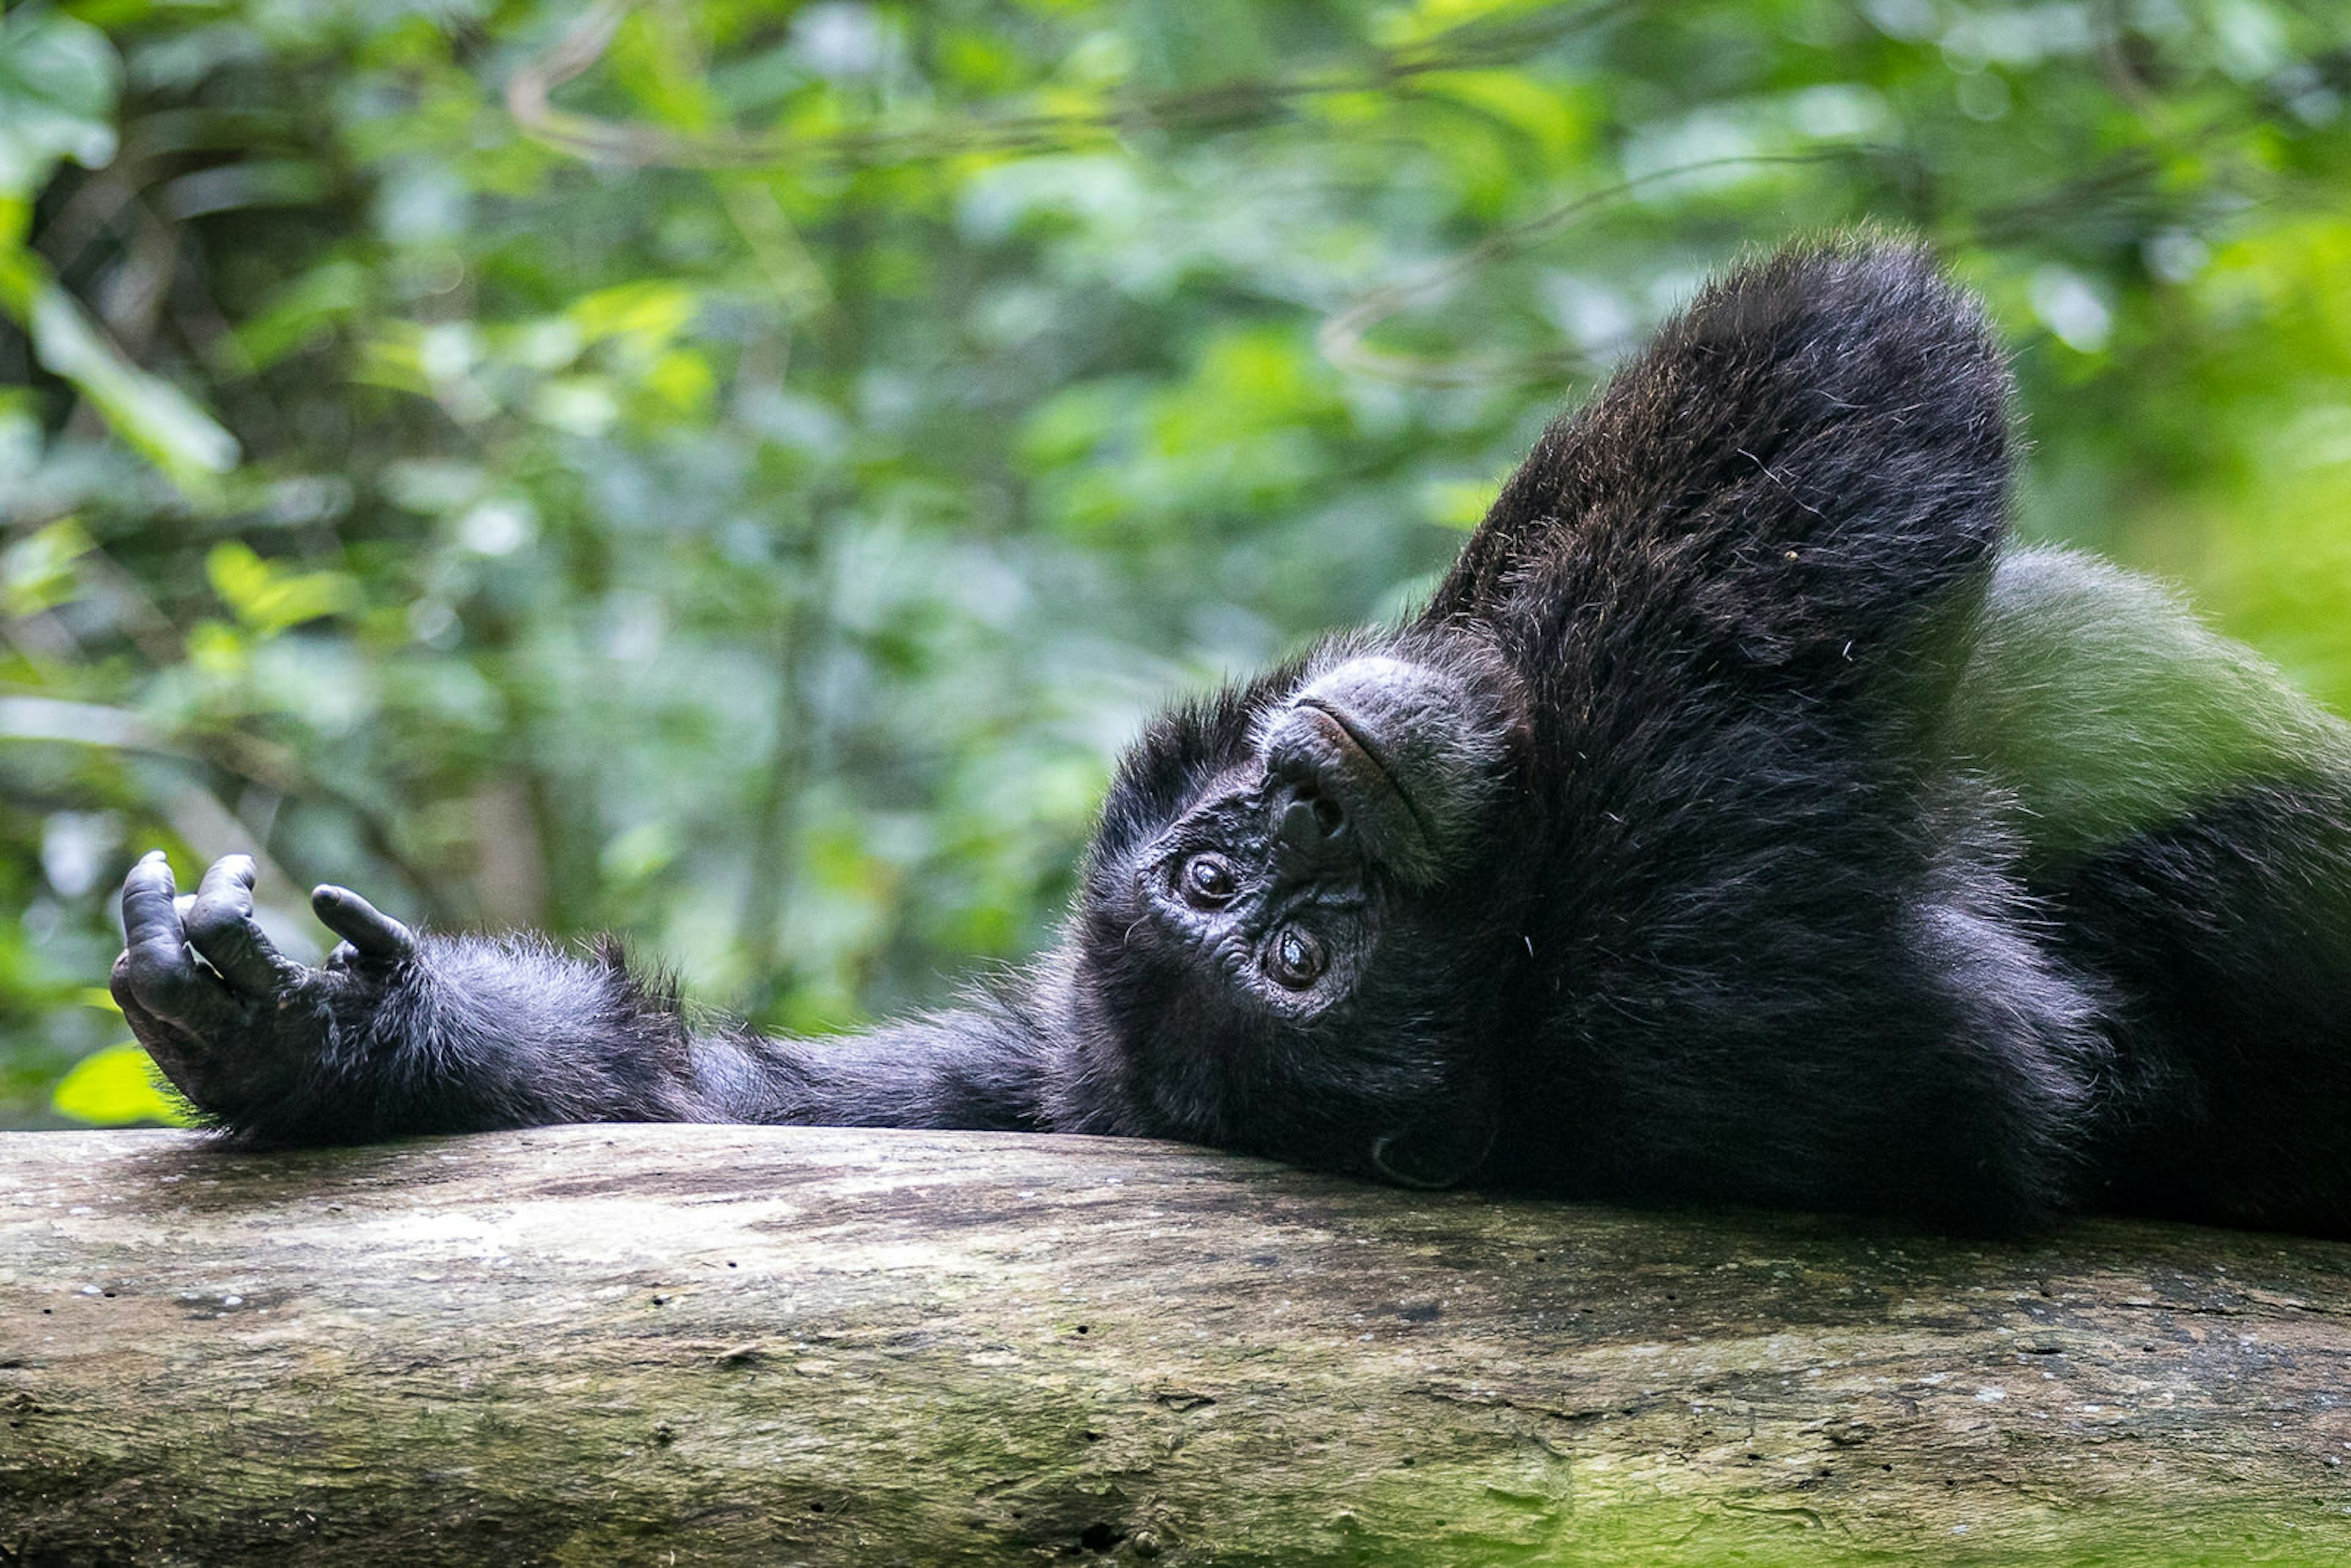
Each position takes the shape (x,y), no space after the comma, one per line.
(733,471)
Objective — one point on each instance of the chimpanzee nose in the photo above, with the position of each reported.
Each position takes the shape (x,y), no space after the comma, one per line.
(1308,820)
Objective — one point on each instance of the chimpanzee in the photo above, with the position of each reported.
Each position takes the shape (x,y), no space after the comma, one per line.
(1742,821)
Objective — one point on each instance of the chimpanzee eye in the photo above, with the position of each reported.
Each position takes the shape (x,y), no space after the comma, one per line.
(1209,882)
(1298,959)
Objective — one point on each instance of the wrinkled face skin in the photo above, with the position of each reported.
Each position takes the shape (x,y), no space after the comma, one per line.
(1295,919)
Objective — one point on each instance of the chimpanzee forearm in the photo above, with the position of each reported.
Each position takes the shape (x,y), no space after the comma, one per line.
(507,1031)
(982,1067)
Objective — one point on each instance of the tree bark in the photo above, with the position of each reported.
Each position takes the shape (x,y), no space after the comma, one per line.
(657,1344)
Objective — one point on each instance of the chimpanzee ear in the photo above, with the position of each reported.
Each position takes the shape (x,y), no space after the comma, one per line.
(1811,451)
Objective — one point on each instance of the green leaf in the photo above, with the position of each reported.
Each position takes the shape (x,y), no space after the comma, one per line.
(268,599)
(646,315)
(1542,112)
(303,312)
(115,1088)
(37,572)
(158,419)
(58,81)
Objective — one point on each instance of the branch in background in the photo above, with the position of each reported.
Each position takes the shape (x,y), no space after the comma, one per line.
(1225,105)
(1340,337)
(276,768)
(198,816)
(1220,106)
(210,827)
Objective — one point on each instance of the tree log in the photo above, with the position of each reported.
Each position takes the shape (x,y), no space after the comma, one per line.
(619,1344)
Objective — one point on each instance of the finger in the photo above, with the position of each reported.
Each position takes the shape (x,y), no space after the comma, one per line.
(140,1019)
(147,901)
(166,1044)
(375,933)
(181,905)
(158,972)
(221,928)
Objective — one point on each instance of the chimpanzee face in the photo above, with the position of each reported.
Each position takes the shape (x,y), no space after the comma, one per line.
(1288,923)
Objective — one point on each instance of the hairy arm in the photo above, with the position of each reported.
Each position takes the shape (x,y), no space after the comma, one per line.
(401,1032)
(1798,466)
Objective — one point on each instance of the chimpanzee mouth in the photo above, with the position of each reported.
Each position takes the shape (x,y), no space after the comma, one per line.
(1433,1157)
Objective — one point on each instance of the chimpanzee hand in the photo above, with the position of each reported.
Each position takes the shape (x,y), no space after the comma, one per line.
(241,1029)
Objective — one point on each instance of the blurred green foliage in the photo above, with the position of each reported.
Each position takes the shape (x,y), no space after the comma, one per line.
(732,472)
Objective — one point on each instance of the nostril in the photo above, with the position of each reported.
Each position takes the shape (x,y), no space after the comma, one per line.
(1308,818)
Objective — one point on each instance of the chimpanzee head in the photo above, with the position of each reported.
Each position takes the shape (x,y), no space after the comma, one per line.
(1295,909)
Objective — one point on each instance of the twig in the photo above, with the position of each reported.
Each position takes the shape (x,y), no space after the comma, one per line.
(1219,106)
(1340,336)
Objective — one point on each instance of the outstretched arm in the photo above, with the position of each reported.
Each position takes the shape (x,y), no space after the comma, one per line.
(401,1032)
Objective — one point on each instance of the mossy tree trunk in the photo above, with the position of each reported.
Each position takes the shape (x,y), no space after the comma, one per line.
(601,1344)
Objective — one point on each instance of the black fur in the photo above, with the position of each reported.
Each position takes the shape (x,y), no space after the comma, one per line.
(1740,821)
